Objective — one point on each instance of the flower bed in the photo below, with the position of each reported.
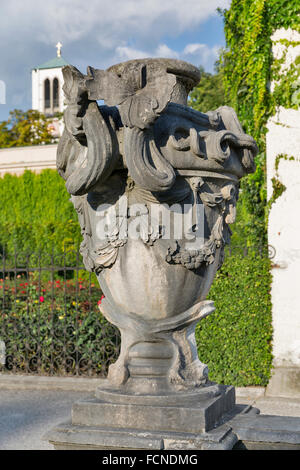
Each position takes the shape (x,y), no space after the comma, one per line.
(55,326)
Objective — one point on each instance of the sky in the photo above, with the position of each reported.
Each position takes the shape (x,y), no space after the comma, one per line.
(101,33)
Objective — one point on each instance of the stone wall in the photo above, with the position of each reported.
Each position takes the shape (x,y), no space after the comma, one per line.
(36,158)
(283,169)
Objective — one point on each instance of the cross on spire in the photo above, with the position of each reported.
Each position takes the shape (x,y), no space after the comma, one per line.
(58,47)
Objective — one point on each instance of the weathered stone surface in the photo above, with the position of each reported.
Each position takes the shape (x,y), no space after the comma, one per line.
(67,436)
(148,157)
(2,353)
(243,429)
(284,382)
(186,415)
(267,432)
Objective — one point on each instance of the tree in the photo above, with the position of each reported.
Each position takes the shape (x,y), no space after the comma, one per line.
(209,94)
(25,128)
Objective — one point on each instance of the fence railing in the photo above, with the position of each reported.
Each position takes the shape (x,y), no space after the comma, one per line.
(50,320)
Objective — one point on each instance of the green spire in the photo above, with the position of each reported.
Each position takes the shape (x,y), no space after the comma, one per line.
(59,61)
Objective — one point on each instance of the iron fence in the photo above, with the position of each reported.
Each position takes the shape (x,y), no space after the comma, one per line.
(50,320)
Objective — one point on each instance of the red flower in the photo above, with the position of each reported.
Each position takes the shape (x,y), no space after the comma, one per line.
(99,301)
(42,298)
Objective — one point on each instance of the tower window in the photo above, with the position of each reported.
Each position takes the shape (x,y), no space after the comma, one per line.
(47,93)
(55,93)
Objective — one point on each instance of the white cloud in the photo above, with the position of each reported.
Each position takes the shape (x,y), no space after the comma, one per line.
(198,54)
(201,53)
(164,51)
(109,21)
(194,48)
(96,32)
(123,53)
(127,53)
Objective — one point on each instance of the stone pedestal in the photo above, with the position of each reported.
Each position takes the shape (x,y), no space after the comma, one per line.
(209,420)
(155,185)
(175,421)
(157,395)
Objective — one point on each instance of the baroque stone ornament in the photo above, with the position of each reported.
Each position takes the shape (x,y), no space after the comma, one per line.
(155,185)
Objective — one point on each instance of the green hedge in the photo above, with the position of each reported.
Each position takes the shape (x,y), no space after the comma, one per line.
(235,341)
(56,328)
(36,213)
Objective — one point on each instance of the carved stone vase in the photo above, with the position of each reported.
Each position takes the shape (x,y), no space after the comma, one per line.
(155,185)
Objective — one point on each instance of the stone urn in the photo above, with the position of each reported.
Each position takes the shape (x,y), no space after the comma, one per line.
(155,185)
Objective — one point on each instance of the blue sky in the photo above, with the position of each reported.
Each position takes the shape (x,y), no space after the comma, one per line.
(101,33)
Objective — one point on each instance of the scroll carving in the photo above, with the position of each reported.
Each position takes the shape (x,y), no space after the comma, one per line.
(127,164)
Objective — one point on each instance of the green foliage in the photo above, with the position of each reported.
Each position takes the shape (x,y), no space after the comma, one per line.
(25,128)
(248,68)
(250,226)
(277,186)
(235,341)
(287,84)
(209,93)
(55,327)
(295,98)
(36,213)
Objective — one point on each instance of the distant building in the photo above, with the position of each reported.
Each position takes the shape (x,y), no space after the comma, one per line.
(47,82)
(47,98)
(47,93)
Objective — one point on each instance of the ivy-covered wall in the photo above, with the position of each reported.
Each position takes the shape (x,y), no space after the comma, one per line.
(249,68)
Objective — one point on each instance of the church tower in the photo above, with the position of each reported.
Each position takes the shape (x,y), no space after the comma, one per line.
(47,82)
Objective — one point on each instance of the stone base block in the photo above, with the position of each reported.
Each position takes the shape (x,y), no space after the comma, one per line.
(242,429)
(266,432)
(181,420)
(195,414)
(76,437)
(190,421)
